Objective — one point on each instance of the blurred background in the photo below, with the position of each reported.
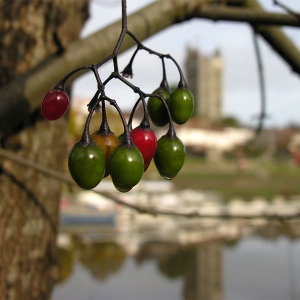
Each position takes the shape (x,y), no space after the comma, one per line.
(229,171)
(226,227)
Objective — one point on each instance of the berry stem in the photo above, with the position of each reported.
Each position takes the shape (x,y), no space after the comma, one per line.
(132,113)
(94,103)
(127,141)
(171,133)
(104,127)
(182,82)
(127,72)
(86,137)
(61,84)
(145,124)
(164,83)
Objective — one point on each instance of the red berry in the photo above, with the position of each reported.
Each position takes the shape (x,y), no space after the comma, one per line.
(145,140)
(55,104)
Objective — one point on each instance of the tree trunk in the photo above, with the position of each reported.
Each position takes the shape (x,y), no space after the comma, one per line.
(30,32)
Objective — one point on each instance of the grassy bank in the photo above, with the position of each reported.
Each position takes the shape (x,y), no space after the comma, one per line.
(260,178)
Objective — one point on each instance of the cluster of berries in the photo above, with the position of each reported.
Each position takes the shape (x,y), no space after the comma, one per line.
(127,157)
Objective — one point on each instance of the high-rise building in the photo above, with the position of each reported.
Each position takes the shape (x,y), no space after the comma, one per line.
(204,78)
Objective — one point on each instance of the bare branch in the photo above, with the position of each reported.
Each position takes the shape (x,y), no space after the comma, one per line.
(248,15)
(142,209)
(277,39)
(287,9)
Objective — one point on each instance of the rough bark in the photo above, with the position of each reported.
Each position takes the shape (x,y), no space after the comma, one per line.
(30,32)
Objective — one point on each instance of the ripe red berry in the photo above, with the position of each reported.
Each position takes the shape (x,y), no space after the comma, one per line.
(55,104)
(145,140)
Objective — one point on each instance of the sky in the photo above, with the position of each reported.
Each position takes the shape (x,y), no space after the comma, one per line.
(241,95)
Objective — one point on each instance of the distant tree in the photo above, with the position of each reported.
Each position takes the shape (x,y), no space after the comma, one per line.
(230,122)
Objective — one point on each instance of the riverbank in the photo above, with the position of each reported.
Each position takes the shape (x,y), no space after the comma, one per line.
(259,178)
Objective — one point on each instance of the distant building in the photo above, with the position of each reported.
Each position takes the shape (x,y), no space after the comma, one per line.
(204,78)
(213,143)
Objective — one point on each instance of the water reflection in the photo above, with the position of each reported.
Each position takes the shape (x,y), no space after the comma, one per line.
(66,259)
(197,269)
(101,259)
(98,258)
(200,266)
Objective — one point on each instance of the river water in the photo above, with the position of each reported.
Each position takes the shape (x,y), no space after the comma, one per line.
(255,267)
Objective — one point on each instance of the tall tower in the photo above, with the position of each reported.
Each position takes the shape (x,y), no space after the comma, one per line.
(204,78)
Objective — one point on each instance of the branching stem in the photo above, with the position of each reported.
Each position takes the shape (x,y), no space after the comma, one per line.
(128,70)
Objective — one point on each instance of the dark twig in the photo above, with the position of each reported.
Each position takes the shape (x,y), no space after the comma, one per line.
(262,86)
(287,9)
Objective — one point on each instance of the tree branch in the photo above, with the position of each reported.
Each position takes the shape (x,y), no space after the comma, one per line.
(147,210)
(287,9)
(23,96)
(277,39)
(245,15)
